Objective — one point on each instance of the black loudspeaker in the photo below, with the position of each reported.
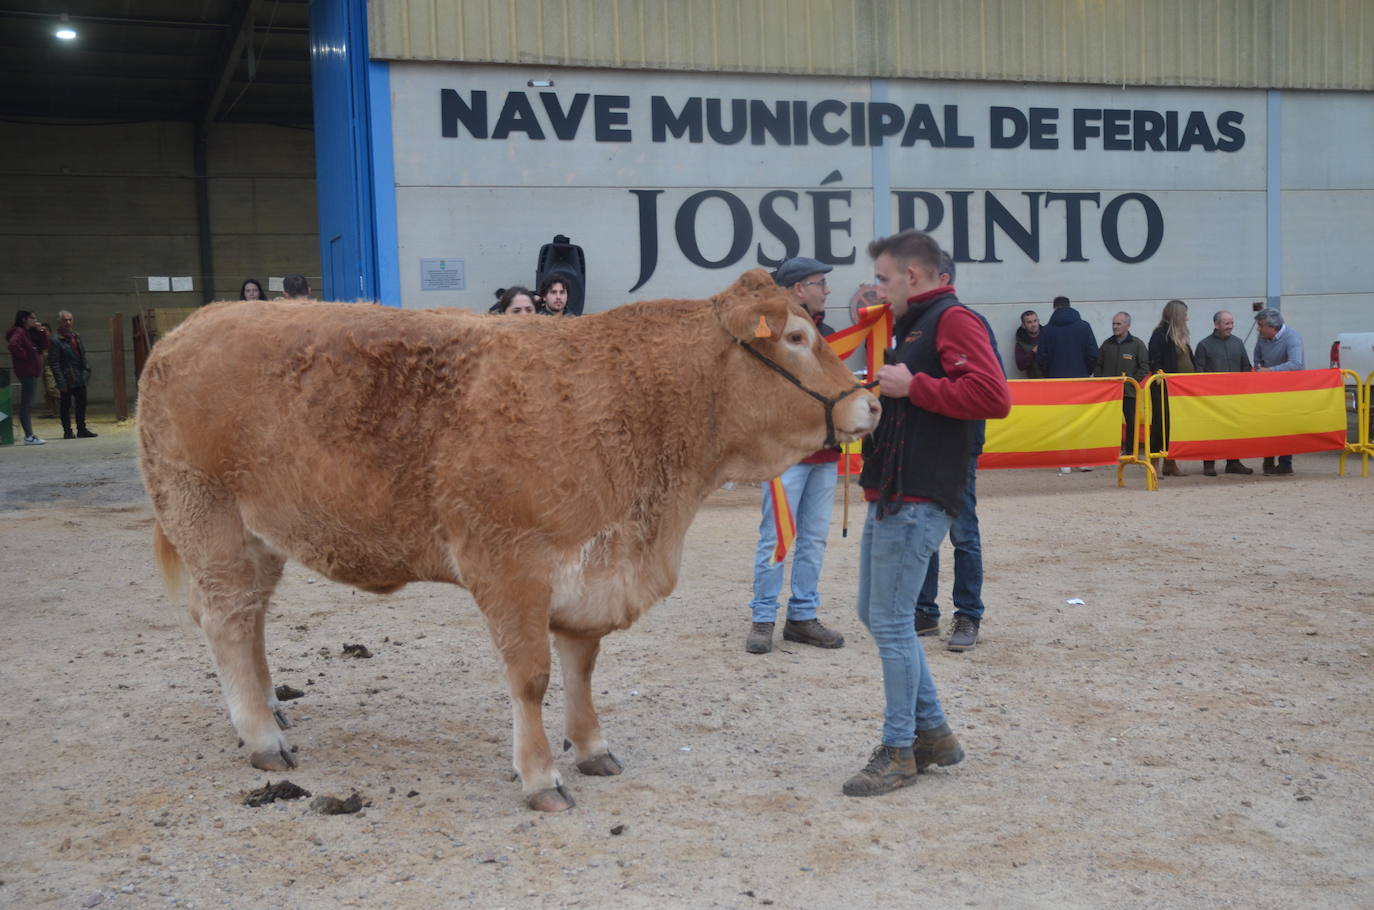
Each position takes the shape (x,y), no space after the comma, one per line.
(564,259)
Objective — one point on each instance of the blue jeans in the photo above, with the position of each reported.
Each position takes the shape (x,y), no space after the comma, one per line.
(968,560)
(893,556)
(27,386)
(810,490)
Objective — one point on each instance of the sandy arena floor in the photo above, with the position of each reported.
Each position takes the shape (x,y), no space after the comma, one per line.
(1198,734)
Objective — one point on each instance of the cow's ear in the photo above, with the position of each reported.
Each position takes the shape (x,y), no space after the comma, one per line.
(753,307)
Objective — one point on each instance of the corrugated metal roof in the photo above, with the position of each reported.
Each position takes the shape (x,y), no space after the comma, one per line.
(1316,44)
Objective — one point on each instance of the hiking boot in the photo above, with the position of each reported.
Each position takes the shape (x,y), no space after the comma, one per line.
(84,433)
(927,624)
(810,632)
(1209,468)
(1270,467)
(1235,467)
(890,768)
(1171,469)
(963,635)
(760,640)
(937,746)
(1283,469)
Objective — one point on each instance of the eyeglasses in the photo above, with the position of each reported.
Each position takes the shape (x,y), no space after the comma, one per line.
(815,284)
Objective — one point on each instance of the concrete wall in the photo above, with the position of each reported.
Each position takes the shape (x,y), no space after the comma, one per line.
(90,211)
(1115,218)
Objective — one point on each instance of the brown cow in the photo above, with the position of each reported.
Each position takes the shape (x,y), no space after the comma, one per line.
(379,447)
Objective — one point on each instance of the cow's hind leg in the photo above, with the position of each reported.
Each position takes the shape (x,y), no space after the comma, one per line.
(521,635)
(577,656)
(233,574)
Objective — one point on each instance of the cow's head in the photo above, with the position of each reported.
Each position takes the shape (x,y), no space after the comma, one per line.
(782,379)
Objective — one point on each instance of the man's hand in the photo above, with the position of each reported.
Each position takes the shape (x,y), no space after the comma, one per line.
(894,380)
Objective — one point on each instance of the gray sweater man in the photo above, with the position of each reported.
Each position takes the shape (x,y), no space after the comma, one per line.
(1222,352)
(1279,347)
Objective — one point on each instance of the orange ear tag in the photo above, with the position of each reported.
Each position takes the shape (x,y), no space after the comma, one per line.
(761,330)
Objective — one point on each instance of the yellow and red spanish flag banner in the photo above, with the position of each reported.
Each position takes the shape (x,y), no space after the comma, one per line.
(875,328)
(784,522)
(1251,415)
(1056,422)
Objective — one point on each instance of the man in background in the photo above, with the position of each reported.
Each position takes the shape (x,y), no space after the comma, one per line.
(295,287)
(1123,354)
(1222,352)
(964,536)
(1067,347)
(1278,348)
(810,490)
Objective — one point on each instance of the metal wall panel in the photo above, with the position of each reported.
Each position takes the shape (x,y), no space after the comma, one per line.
(1316,44)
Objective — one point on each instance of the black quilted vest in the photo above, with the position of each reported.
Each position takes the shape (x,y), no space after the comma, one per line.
(915,452)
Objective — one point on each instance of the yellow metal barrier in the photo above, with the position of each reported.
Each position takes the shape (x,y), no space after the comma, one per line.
(1141,444)
(1361,444)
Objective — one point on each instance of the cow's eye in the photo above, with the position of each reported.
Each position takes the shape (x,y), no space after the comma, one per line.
(796,338)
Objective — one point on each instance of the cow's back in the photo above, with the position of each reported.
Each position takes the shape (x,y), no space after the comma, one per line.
(373,444)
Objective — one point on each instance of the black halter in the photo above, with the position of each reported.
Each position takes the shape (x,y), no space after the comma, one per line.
(829,403)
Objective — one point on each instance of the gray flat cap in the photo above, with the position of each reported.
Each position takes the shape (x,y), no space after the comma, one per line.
(797,268)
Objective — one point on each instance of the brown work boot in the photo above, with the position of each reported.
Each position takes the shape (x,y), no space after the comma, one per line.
(811,632)
(890,768)
(760,640)
(1236,467)
(937,746)
(1171,469)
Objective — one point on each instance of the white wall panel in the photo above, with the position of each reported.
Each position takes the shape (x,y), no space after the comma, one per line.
(1328,140)
(1328,241)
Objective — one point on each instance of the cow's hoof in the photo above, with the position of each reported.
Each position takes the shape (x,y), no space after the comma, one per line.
(272,760)
(600,766)
(282,720)
(554,799)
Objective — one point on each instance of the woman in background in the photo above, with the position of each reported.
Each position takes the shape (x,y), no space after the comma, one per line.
(1170,351)
(251,290)
(514,301)
(27,340)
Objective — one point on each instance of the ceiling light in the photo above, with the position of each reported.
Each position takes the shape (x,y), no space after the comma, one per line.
(64,29)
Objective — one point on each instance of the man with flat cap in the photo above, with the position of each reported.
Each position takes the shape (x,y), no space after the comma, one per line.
(810,489)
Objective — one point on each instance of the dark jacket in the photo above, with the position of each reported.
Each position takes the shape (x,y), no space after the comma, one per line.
(1221,355)
(1164,353)
(68,361)
(1025,354)
(1067,347)
(26,351)
(1124,357)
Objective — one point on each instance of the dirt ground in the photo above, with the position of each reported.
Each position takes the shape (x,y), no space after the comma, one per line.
(1197,734)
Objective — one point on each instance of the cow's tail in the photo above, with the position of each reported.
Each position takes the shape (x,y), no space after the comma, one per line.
(169,562)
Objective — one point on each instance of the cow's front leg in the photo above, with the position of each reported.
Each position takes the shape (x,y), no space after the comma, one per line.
(577,656)
(523,641)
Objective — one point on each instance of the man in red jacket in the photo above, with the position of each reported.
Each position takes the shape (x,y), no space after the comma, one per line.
(942,377)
